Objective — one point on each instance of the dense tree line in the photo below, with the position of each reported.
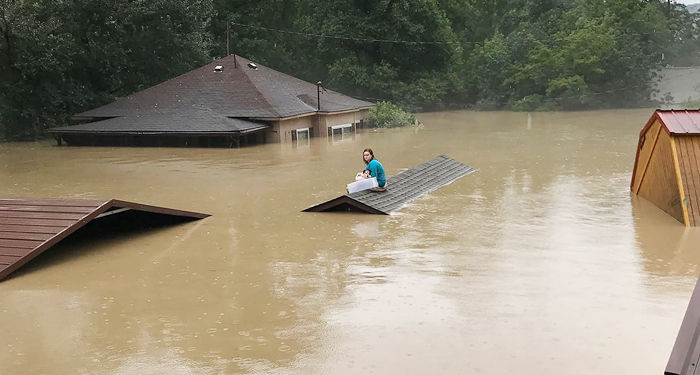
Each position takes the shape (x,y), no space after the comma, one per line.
(58,58)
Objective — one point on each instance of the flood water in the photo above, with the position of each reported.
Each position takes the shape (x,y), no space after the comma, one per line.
(540,262)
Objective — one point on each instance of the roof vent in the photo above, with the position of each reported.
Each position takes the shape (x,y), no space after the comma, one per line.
(252,66)
(219,68)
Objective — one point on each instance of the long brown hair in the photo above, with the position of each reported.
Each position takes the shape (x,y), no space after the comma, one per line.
(370,152)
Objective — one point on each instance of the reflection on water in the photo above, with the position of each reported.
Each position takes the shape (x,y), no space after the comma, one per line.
(539,260)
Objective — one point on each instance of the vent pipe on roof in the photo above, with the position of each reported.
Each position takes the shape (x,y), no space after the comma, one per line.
(235,63)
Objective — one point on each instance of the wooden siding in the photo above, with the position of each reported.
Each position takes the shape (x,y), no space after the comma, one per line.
(688,148)
(679,182)
(644,151)
(658,183)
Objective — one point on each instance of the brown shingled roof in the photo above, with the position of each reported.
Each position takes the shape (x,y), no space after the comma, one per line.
(28,227)
(207,100)
(201,123)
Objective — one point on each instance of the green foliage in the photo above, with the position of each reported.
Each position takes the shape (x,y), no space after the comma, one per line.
(58,58)
(532,103)
(414,75)
(388,115)
(692,102)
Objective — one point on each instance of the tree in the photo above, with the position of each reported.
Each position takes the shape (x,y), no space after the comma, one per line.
(60,58)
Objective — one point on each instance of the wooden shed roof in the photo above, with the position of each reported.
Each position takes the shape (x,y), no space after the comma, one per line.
(28,227)
(402,188)
(681,122)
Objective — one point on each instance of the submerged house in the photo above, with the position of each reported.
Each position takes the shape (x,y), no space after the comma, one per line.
(667,166)
(228,103)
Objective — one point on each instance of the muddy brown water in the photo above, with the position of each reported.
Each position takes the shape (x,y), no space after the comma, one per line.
(540,262)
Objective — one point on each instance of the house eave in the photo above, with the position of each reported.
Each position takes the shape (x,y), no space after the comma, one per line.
(184,133)
(285,118)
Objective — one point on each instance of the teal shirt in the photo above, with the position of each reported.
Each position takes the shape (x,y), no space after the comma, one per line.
(376,169)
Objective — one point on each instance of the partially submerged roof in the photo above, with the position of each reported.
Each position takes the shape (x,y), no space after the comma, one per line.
(209,98)
(28,227)
(402,188)
(681,122)
(200,123)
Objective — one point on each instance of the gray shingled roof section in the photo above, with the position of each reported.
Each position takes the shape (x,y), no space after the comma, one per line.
(164,123)
(241,92)
(403,187)
(228,93)
(290,96)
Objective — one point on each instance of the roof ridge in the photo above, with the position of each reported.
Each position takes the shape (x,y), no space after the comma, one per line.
(245,74)
(242,91)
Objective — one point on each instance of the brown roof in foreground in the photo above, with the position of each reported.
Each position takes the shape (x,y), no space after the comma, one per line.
(28,227)
(215,97)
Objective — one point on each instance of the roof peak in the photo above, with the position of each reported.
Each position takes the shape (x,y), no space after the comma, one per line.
(231,86)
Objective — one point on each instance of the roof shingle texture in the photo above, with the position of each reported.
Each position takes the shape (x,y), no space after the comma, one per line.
(403,187)
(165,123)
(205,100)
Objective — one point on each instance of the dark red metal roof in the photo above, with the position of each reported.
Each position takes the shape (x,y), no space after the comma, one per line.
(29,227)
(684,121)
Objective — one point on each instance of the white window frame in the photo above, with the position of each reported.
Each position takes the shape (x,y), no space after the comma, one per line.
(308,134)
(342,131)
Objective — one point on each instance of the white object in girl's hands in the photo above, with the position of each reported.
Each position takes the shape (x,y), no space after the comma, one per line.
(362,185)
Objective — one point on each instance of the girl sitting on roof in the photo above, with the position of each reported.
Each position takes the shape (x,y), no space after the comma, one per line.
(375,169)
